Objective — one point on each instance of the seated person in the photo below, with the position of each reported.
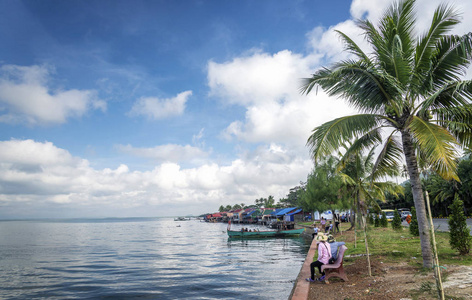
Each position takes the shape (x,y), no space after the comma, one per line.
(324,254)
(334,246)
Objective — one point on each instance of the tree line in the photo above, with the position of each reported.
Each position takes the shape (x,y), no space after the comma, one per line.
(290,200)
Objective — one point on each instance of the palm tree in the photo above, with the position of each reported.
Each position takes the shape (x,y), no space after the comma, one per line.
(269,202)
(409,84)
(363,184)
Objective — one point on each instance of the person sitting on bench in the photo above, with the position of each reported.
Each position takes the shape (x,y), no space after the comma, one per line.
(324,254)
(334,246)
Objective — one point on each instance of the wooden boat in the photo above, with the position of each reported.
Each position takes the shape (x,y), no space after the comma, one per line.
(259,234)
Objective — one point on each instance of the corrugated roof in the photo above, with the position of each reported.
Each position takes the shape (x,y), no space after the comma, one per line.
(295,212)
(285,211)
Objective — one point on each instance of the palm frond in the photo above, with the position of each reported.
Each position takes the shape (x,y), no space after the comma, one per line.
(458,121)
(353,48)
(397,46)
(368,141)
(362,85)
(372,35)
(445,17)
(390,187)
(347,180)
(388,161)
(438,146)
(450,60)
(330,136)
(452,94)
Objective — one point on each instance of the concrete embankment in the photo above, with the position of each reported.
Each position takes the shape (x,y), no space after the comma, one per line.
(302,287)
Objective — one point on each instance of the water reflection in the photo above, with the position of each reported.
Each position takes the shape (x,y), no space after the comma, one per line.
(152,258)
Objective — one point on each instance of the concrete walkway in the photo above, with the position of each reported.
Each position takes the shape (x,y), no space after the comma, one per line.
(302,287)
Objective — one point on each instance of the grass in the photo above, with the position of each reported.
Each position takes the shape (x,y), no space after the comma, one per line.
(401,245)
(306,223)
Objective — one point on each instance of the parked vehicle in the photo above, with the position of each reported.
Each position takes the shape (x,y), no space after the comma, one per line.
(388,213)
(405,214)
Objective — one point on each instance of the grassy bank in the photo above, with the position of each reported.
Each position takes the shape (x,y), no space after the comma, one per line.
(398,245)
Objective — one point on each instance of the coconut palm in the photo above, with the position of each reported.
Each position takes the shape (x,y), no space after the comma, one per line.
(364,188)
(409,84)
(363,184)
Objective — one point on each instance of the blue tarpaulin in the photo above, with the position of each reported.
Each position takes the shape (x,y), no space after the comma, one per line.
(295,212)
(285,211)
(250,213)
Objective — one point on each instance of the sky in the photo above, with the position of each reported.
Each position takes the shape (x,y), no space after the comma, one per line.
(165,108)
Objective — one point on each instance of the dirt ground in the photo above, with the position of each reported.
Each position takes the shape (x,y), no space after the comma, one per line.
(393,281)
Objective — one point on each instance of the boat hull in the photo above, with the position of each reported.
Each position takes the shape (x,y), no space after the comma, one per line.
(259,234)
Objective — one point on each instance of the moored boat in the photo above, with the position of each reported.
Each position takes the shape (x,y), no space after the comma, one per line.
(257,234)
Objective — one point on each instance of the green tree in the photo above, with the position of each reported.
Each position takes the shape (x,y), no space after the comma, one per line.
(414,229)
(370,219)
(259,202)
(294,196)
(459,233)
(269,202)
(323,188)
(397,221)
(383,220)
(464,170)
(228,207)
(377,221)
(362,182)
(221,209)
(236,206)
(402,85)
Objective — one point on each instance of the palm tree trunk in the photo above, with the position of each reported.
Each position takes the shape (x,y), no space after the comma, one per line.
(367,246)
(332,221)
(352,216)
(417,190)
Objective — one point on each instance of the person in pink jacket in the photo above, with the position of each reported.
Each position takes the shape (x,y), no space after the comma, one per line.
(324,254)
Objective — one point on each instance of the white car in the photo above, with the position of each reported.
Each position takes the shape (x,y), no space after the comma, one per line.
(404,214)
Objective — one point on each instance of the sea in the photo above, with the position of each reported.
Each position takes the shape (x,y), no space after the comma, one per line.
(143,258)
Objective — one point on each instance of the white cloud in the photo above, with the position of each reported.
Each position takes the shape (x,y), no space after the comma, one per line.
(166,153)
(157,109)
(26,98)
(39,173)
(258,78)
(328,44)
(269,87)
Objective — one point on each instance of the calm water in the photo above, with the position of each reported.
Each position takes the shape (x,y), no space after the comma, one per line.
(142,258)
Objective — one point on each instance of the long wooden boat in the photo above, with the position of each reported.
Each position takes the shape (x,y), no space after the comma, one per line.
(258,234)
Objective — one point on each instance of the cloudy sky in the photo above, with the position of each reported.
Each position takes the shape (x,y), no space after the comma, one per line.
(164,108)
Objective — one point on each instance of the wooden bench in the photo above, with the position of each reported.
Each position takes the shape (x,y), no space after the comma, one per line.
(336,269)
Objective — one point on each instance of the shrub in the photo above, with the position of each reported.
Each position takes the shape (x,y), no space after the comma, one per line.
(383,220)
(370,219)
(414,230)
(459,233)
(397,221)
(377,221)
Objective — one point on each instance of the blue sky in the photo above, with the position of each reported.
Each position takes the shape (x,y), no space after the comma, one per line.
(163,108)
